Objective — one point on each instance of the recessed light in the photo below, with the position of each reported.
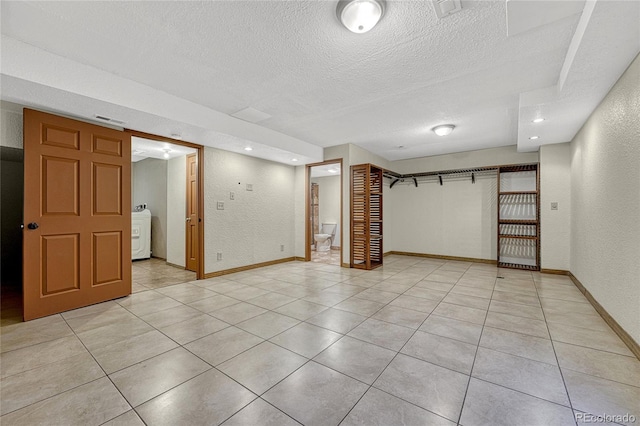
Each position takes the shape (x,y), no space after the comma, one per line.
(294,159)
(443,130)
(534,137)
(248,148)
(333,170)
(166,153)
(538,120)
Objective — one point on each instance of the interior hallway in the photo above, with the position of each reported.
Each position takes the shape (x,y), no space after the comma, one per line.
(420,341)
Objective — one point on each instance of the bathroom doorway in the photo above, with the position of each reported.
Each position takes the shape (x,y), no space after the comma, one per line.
(324,212)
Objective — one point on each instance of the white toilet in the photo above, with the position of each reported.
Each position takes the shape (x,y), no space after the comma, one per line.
(324,239)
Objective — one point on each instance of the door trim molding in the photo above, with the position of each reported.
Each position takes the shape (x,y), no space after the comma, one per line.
(200,158)
(308,238)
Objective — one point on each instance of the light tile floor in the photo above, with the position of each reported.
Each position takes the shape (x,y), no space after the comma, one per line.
(330,257)
(156,273)
(418,341)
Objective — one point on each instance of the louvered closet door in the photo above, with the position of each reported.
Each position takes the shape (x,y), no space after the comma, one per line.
(77,212)
(359,216)
(375,216)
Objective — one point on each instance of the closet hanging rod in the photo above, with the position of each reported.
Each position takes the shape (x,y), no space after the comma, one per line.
(394,175)
(473,176)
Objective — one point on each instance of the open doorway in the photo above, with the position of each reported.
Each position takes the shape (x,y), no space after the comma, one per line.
(166,218)
(324,212)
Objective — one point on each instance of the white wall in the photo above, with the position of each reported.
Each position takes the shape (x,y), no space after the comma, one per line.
(11,125)
(359,155)
(456,219)
(254,225)
(176,210)
(329,200)
(150,187)
(555,186)
(605,202)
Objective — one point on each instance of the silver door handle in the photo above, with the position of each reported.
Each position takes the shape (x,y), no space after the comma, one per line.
(188,219)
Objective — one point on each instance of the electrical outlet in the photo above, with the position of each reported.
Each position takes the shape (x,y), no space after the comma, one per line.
(232,195)
(249,187)
(281,247)
(220,205)
(219,256)
(554,205)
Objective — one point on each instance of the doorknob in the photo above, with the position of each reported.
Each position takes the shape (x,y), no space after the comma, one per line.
(188,219)
(32,225)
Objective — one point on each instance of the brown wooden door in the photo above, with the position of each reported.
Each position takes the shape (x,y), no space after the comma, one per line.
(77,212)
(192,213)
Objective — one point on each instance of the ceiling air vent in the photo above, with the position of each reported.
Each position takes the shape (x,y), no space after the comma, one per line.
(446,7)
(109,120)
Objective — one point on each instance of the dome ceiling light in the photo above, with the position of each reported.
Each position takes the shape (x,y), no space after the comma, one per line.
(443,130)
(360,16)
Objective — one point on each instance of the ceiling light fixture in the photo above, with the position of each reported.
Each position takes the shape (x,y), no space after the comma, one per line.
(360,16)
(166,153)
(443,130)
(538,120)
(248,148)
(533,138)
(333,170)
(294,159)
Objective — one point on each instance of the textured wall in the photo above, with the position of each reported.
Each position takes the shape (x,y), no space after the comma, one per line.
(176,210)
(11,128)
(455,219)
(254,225)
(150,187)
(329,190)
(605,202)
(555,186)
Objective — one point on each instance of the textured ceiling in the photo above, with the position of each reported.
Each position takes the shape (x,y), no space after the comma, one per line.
(144,148)
(181,67)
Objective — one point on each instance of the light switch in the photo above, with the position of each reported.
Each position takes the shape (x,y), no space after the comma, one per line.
(554,205)
(249,187)
(232,195)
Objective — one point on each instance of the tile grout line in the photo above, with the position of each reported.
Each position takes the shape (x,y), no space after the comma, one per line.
(396,355)
(99,365)
(475,356)
(311,288)
(311,359)
(555,354)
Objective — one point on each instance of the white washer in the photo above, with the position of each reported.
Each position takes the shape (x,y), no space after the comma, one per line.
(141,234)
